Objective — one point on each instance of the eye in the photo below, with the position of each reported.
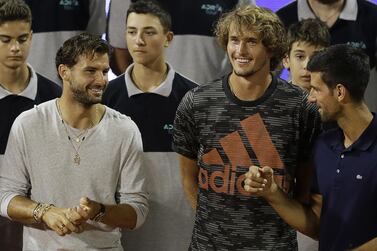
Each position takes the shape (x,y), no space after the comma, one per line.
(131,32)
(90,71)
(5,39)
(252,42)
(300,57)
(22,39)
(150,33)
(234,40)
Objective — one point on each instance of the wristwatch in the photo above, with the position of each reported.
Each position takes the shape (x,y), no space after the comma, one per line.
(99,216)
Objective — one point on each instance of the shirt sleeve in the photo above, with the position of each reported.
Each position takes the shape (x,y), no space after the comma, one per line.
(131,188)
(314,185)
(117,23)
(310,124)
(14,176)
(97,19)
(185,137)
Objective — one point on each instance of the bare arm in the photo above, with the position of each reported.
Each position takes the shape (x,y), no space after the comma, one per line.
(370,245)
(21,209)
(304,175)
(121,215)
(58,219)
(189,176)
(120,60)
(304,218)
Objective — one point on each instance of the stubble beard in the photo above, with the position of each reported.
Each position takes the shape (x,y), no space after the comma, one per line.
(251,72)
(83,97)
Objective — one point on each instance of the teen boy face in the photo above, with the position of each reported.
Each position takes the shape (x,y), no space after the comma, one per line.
(297,60)
(146,39)
(15,41)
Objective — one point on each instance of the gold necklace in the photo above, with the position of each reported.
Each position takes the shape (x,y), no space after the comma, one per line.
(76,157)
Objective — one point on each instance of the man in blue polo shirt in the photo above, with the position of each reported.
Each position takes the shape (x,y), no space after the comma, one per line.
(343,206)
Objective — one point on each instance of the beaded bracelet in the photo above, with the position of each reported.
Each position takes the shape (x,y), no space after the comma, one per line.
(40,210)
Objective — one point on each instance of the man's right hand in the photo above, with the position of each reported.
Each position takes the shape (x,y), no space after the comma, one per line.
(260,181)
(63,220)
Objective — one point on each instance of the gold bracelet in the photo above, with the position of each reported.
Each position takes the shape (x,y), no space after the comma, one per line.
(40,210)
(36,212)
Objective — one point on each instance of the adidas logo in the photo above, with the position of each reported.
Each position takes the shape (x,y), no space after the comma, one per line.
(226,181)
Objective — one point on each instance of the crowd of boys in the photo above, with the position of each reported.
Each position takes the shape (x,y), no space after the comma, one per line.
(240,162)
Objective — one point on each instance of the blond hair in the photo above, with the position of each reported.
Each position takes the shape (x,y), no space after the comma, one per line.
(263,22)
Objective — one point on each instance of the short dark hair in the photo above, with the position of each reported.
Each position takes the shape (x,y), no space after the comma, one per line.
(342,64)
(83,44)
(153,8)
(311,31)
(14,10)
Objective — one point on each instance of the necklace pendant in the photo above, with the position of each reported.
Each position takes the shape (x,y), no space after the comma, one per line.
(77,140)
(76,159)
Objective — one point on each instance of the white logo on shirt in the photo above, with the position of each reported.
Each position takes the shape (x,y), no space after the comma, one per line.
(359,177)
(211,9)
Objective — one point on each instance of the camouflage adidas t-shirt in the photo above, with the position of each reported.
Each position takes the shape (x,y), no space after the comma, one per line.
(226,135)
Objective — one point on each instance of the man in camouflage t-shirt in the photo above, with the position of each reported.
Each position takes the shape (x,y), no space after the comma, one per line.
(249,117)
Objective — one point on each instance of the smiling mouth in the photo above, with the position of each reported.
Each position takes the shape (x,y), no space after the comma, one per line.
(242,60)
(96,91)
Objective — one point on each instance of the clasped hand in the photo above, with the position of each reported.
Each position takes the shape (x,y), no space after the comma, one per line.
(71,220)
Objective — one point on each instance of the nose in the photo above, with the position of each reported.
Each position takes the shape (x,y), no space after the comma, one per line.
(140,39)
(306,61)
(311,97)
(241,49)
(14,45)
(101,77)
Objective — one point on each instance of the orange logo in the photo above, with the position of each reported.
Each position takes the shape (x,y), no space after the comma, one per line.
(232,144)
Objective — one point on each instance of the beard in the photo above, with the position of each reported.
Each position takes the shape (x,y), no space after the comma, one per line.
(83,97)
(244,74)
(249,72)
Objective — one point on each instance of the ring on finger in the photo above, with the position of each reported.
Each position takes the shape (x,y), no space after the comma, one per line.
(62,227)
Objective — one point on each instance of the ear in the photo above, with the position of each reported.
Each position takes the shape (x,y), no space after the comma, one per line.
(340,92)
(169,38)
(64,72)
(286,62)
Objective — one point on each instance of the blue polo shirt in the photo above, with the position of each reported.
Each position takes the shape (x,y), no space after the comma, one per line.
(347,180)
